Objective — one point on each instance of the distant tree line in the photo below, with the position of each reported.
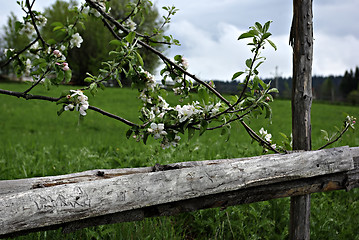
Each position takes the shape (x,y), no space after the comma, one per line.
(332,88)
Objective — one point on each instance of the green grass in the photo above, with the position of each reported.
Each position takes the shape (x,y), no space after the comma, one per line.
(36,142)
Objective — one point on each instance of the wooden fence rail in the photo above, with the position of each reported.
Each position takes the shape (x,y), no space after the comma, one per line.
(100,197)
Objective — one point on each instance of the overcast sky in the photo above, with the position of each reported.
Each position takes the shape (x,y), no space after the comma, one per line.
(208,31)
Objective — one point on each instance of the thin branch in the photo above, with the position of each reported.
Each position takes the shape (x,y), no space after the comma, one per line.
(337,138)
(28,96)
(34,23)
(52,99)
(20,52)
(255,136)
(249,75)
(38,81)
(127,122)
(132,12)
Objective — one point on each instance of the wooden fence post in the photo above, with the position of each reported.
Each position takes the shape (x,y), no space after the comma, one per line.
(301,39)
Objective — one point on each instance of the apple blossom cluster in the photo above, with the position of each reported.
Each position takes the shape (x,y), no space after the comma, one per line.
(181,85)
(29,29)
(131,25)
(350,120)
(267,137)
(78,101)
(165,120)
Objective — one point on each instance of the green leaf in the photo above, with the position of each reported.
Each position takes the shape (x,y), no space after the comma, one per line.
(116,42)
(249,62)
(59,76)
(93,88)
(237,74)
(102,86)
(272,44)
(139,58)
(51,41)
(64,93)
(57,28)
(88,79)
(68,76)
(266,35)
(130,37)
(266,26)
(324,135)
(258,64)
(202,93)
(259,26)
(273,90)
(245,35)
(56,24)
(178,58)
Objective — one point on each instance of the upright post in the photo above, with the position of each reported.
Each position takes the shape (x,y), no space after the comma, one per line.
(301,39)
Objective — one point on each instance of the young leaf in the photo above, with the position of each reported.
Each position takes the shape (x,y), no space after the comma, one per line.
(266,35)
(237,74)
(272,44)
(116,42)
(249,62)
(139,58)
(245,35)
(68,76)
(259,26)
(130,37)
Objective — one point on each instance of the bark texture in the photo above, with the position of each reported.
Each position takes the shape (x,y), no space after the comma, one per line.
(301,39)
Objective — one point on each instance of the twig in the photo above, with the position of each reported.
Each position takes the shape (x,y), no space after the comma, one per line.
(52,99)
(18,53)
(34,22)
(337,138)
(37,82)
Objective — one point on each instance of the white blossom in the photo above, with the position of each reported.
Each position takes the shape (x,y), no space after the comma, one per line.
(131,25)
(157,130)
(35,46)
(184,63)
(69,107)
(267,136)
(42,20)
(185,112)
(28,66)
(28,28)
(80,101)
(76,40)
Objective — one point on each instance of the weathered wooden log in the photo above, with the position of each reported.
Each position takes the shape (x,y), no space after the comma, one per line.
(20,185)
(138,195)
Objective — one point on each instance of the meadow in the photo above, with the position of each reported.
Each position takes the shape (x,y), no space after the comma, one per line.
(35,142)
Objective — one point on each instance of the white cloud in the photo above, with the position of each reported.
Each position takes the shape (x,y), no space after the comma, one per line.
(334,54)
(219,57)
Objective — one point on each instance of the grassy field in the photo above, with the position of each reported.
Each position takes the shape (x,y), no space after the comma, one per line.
(36,142)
